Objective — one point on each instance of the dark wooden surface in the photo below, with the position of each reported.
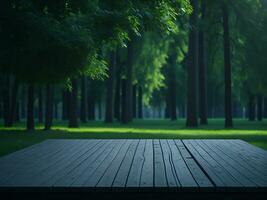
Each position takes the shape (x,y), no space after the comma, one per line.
(136,165)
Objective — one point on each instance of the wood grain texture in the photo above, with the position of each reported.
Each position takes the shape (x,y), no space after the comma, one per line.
(146,164)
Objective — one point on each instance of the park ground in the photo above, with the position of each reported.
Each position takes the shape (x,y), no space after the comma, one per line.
(15,138)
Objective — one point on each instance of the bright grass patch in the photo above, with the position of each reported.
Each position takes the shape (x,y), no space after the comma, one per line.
(12,139)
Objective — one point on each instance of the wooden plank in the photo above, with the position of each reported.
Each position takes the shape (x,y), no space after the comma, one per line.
(30,176)
(217,169)
(234,160)
(29,166)
(141,164)
(160,179)
(183,151)
(24,152)
(248,157)
(110,174)
(183,174)
(206,166)
(122,175)
(18,161)
(54,169)
(98,173)
(147,176)
(245,156)
(172,180)
(9,163)
(77,176)
(199,176)
(255,154)
(137,165)
(60,163)
(227,165)
(255,149)
(62,168)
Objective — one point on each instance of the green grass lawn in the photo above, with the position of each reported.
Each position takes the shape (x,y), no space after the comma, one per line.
(12,139)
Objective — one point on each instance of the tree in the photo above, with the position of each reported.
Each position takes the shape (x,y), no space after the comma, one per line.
(110,88)
(6,98)
(117,99)
(83,99)
(123,101)
(134,99)
(192,119)
(65,103)
(33,33)
(1,109)
(73,117)
(164,16)
(265,108)
(251,108)
(93,96)
(30,107)
(259,107)
(13,102)
(172,86)
(140,102)
(227,68)
(129,80)
(254,43)
(49,106)
(40,105)
(150,58)
(202,69)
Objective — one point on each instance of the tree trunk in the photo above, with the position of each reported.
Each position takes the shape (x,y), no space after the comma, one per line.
(173,113)
(56,109)
(83,99)
(265,107)
(110,88)
(30,108)
(23,104)
(100,110)
(129,85)
(167,101)
(202,72)
(134,100)
(6,99)
(65,104)
(172,87)
(73,118)
(259,107)
(13,103)
(140,102)
(40,105)
(192,119)
(1,107)
(68,105)
(251,108)
(91,109)
(227,69)
(91,105)
(117,100)
(17,114)
(49,106)
(123,101)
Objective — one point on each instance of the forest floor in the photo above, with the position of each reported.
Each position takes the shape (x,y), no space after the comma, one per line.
(12,139)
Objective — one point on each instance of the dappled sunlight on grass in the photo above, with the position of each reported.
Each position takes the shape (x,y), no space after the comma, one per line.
(163,131)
